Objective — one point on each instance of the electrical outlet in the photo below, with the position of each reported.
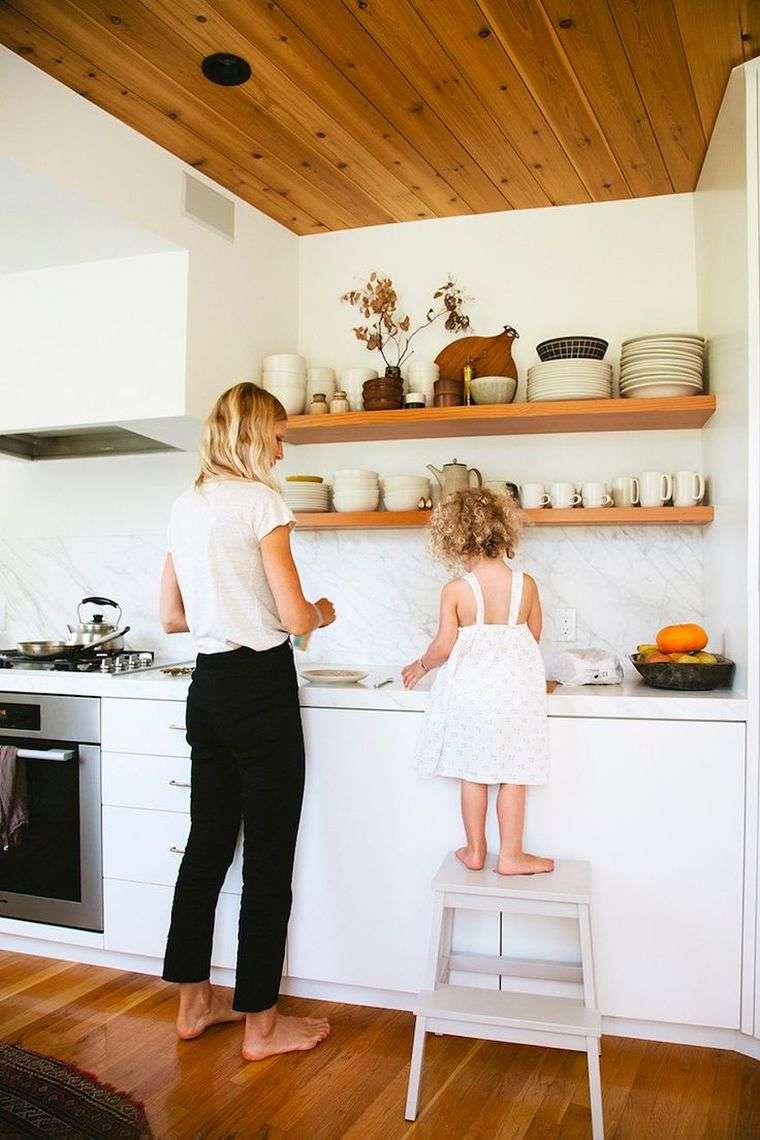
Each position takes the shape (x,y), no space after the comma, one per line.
(566,625)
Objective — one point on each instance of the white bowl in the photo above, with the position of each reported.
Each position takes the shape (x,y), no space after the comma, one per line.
(399,502)
(293,402)
(493,389)
(406,482)
(285,379)
(355,503)
(666,388)
(354,376)
(290,360)
(359,472)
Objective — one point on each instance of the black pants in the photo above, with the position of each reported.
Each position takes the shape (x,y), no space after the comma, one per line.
(244,729)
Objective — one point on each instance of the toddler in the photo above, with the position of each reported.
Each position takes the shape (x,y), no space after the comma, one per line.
(486,721)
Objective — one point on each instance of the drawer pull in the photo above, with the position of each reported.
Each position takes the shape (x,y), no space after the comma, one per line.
(177,850)
(178,784)
(178,727)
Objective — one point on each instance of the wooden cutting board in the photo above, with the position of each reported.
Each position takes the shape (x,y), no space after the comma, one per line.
(491,355)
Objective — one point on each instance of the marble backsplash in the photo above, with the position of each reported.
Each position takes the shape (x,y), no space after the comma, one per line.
(623,583)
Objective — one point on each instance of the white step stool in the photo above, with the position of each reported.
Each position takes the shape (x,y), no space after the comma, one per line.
(523,1018)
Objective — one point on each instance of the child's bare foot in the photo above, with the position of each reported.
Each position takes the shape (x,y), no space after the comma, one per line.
(285,1035)
(203,1008)
(523,864)
(472,857)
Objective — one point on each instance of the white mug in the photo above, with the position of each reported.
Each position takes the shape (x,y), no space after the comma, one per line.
(655,488)
(563,495)
(625,491)
(595,495)
(533,495)
(688,488)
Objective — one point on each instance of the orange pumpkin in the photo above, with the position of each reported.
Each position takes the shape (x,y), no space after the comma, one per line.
(681,638)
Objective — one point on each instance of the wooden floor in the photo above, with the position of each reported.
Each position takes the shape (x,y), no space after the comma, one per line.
(120,1027)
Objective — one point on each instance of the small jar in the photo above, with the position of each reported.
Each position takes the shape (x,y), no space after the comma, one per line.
(339,403)
(414,400)
(318,405)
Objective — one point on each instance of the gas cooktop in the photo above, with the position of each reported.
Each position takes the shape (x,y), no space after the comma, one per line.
(126,661)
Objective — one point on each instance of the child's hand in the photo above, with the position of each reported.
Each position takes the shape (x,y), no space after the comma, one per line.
(411,674)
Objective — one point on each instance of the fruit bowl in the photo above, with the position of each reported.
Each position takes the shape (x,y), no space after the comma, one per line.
(685,677)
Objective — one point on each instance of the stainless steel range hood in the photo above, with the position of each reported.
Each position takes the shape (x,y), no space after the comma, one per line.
(143,437)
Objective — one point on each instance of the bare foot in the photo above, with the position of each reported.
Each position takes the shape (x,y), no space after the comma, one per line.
(472,858)
(203,1009)
(523,864)
(287,1035)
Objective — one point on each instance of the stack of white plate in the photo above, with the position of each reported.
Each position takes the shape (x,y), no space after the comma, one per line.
(403,492)
(303,493)
(582,379)
(284,375)
(665,364)
(355,489)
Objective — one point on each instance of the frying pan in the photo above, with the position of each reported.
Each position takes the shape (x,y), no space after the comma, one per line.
(49,650)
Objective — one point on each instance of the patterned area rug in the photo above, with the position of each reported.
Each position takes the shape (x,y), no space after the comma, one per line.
(45,1098)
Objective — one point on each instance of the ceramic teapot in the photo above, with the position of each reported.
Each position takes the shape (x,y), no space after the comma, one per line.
(455,476)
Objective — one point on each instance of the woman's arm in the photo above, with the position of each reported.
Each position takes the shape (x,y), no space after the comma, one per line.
(535,619)
(442,644)
(297,615)
(171,608)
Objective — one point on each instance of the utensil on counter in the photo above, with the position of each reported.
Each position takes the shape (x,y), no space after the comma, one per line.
(49,650)
(491,355)
(455,476)
(382,684)
(87,632)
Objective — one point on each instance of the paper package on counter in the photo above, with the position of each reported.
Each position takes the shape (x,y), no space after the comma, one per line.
(585,667)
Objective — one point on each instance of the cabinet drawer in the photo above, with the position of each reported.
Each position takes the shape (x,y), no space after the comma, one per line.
(146,847)
(150,728)
(157,782)
(137,921)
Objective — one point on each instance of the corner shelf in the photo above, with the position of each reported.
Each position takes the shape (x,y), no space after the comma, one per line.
(666,414)
(574,516)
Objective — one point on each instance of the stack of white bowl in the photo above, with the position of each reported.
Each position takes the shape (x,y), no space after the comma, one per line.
(665,364)
(352,381)
(306,493)
(403,492)
(582,379)
(284,375)
(320,380)
(355,489)
(421,375)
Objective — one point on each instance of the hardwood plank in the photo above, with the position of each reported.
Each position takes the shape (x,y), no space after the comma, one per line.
(711,35)
(458,25)
(296,110)
(749,18)
(525,32)
(590,41)
(407,40)
(334,30)
(649,29)
(78,73)
(505,419)
(543,516)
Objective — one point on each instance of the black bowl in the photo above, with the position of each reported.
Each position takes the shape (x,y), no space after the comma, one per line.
(685,677)
(572,348)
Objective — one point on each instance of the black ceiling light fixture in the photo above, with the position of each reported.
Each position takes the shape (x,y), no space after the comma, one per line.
(226,69)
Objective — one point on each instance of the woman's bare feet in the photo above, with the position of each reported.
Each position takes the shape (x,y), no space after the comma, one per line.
(472,857)
(282,1035)
(201,1006)
(523,864)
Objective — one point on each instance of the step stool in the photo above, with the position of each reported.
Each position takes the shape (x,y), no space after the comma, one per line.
(522,1018)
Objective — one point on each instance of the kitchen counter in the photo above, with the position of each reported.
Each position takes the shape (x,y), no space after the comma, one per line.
(631,699)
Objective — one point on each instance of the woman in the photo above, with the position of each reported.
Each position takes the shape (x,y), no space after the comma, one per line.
(229,578)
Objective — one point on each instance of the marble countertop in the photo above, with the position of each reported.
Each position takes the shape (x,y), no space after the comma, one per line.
(631,699)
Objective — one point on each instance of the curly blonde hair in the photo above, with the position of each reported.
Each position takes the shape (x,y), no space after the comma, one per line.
(474,524)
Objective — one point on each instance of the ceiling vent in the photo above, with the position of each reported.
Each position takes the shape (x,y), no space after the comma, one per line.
(209,207)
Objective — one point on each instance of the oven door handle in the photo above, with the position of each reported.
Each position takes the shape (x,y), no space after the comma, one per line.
(61,754)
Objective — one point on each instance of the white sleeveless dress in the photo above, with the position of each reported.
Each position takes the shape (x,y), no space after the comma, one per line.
(486,719)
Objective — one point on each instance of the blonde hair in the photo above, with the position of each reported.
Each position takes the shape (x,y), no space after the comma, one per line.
(474,524)
(238,436)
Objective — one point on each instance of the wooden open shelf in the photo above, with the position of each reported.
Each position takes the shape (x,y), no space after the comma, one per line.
(574,516)
(505,419)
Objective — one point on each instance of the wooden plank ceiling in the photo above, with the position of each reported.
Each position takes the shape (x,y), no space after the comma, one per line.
(360,112)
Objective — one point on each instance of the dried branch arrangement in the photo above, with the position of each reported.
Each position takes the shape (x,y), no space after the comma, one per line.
(387,331)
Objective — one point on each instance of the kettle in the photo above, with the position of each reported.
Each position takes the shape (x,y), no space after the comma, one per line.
(87,632)
(455,476)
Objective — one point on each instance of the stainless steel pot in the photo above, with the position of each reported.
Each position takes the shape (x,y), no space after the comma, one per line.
(88,632)
(47,650)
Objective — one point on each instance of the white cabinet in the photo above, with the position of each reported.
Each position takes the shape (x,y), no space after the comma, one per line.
(157,782)
(137,921)
(372,836)
(146,727)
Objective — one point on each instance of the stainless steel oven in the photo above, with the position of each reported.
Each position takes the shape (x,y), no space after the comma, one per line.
(55,873)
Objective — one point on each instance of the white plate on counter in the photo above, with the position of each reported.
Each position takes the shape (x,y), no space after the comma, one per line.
(324,676)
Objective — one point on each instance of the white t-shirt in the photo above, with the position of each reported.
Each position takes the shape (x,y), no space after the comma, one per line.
(214,539)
